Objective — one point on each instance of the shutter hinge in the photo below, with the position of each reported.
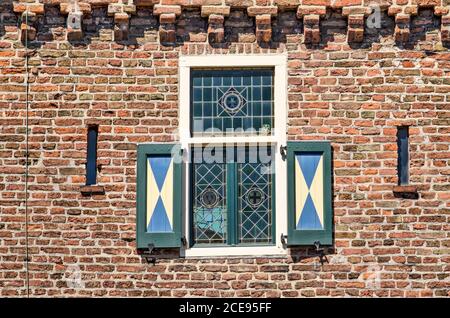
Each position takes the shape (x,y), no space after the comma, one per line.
(321,252)
(284,239)
(283,150)
(184,241)
(148,254)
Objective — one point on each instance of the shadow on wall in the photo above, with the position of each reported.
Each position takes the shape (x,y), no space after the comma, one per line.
(7,16)
(239,28)
(425,26)
(375,30)
(54,26)
(96,25)
(143,24)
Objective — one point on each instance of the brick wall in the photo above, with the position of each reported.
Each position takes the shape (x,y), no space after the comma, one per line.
(352,93)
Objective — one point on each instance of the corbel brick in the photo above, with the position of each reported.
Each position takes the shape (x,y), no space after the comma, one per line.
(206,11)
(29,14)
(121,26)
(337,4)
(75,11)
(355,17)
(74,21)
(444,12)
(393,10)
(145,3)
(311,26)
(216,30)
(411,10)
(445,28)
(199,3)
(239,3)
(311,22)
(286,4)
(22,6)
(67,7)
(167,9)
(121,13)
(167,30)
(441,10)
(254,11)
(263,27)
(263,20)
(28,26)
(346,11)
(355,32)
(427,3)
(167,18)
(402,27)
(311,10)
(182,3)
(216,17)
(402,10)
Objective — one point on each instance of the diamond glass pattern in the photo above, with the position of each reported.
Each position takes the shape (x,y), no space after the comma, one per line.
(255,201)
(224,100)
(209,218)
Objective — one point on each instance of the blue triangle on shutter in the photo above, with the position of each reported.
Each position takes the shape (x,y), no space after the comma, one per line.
(160,166)
(309,220)
(308,163)
(159,221)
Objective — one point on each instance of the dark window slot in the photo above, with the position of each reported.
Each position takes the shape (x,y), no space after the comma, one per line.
(403,155)
(91,163)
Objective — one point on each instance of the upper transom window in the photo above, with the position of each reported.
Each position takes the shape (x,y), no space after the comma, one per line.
(232,102)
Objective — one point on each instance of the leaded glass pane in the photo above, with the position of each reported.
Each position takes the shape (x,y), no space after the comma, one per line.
(255,201)
(235,102)
(209,201)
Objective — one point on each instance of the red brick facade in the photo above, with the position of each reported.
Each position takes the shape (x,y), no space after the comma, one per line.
(349,84)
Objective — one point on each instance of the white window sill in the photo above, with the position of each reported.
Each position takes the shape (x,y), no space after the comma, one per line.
(249,251)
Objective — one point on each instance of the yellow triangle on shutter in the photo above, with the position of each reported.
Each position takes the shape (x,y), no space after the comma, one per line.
(316,190)
(152,193)
(167,193)
(301,191)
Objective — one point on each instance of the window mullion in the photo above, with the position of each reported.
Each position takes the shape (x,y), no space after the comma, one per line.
(231,203)
(273,205)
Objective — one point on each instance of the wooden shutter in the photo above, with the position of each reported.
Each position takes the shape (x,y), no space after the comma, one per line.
(159,184)
(309,193)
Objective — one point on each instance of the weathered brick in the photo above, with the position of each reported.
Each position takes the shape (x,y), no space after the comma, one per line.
(354,95)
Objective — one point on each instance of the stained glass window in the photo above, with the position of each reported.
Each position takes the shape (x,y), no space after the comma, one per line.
(232,101)
(255,200)
(233,195)
(209,200)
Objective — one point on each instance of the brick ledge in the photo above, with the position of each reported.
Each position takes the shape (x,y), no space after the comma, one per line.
(92,189)
(405,189)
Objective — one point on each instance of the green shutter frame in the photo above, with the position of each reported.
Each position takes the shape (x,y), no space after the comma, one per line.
(311,234)
(160,239)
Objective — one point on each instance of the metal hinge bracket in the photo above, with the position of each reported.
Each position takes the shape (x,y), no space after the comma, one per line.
(148,254)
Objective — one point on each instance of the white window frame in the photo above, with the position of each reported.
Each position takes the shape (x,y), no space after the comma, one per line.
(279,63)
